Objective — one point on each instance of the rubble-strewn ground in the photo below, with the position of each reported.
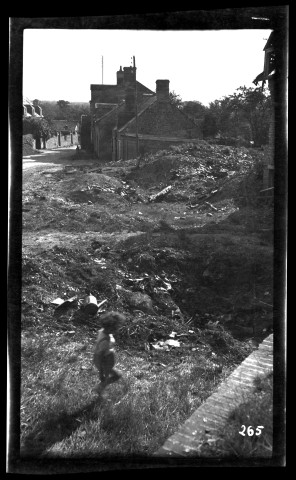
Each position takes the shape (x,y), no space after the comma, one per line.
(194,267)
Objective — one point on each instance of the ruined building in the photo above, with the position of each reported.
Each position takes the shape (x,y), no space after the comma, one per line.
(128,119)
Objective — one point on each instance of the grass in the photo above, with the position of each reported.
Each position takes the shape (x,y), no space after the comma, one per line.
(61,415)
(257,410)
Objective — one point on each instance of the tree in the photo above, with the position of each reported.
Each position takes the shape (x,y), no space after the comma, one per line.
(209,126)
(71,113)
(38,127)
(254,105)
(243,114)
(175,99)
(194,109)
(63,103)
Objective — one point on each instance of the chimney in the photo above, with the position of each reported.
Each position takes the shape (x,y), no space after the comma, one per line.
(120,76)
(162,90)
(129,74)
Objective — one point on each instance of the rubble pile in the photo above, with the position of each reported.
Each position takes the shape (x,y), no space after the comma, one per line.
(193,171)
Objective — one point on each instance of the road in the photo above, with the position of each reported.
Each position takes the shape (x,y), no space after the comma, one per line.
(58,156)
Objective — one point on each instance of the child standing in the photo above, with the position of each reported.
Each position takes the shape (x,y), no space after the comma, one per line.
(104,356)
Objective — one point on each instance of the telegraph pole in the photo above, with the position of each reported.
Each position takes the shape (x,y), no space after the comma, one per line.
(136,109)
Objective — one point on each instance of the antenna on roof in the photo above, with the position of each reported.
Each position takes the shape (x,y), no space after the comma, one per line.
(136,105)
(102,70)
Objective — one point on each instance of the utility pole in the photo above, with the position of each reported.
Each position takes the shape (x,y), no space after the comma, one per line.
(102,70)
(136,109)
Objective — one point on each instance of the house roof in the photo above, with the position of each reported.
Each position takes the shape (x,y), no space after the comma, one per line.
(269,69)
(150,102)
(142,107)
(270,42)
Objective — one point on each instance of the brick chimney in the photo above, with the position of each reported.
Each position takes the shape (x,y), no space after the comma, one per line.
(120,76)
(163,90)
(129,74)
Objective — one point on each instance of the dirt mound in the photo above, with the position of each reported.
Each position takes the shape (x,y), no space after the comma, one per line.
(196,170)
(87,182)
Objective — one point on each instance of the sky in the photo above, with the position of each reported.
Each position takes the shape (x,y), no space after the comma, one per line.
(60,64)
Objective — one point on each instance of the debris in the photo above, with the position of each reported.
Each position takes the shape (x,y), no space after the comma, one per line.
(58,301)
(160,194)
(159,346)
(91,306)
(137,300)
(209,214)
(172,343)
(212,206)
(172,334)
(101,303)
(101,261)
(65,306)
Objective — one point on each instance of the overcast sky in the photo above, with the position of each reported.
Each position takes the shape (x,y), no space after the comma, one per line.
(201,65)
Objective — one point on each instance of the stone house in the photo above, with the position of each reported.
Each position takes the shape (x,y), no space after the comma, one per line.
(268,75)
(128,119)
(31,109)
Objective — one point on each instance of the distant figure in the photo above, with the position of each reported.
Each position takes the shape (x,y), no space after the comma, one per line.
(77,150)
(104,356)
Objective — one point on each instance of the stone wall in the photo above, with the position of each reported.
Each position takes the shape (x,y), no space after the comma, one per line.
(65,141)
(52,142)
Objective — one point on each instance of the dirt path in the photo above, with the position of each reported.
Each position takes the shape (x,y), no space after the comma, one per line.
(58,156)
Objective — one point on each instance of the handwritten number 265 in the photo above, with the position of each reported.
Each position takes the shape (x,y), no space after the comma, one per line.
(250,430)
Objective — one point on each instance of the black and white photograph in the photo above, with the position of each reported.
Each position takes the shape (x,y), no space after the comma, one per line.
(147,241)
